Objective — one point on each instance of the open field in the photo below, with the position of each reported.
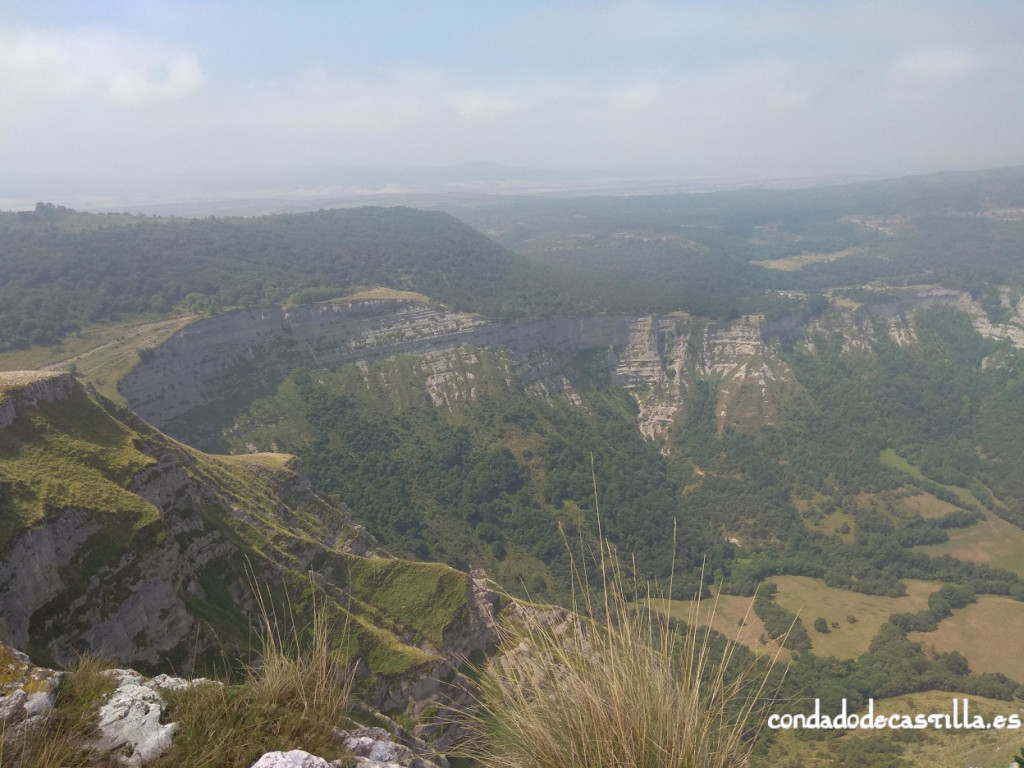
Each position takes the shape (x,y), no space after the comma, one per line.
(890,458)
(387,293)
(725,613)
(927,748)
(926,505)
(810,598)
(101,355)
(992,541)
(272,460)
(793,263)
(987,632)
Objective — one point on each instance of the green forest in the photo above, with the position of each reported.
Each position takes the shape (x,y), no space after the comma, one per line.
(700,253)
(503,480)
(501,475)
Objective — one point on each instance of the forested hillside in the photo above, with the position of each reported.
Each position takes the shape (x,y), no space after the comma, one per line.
(715,255)
(821,385)
(63,269)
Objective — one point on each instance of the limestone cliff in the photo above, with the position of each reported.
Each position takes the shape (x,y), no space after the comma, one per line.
(207,372)
(115,539)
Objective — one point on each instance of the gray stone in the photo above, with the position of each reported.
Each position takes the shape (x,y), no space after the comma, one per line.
(39,703)
(12,707)
(294,759)
(129,723)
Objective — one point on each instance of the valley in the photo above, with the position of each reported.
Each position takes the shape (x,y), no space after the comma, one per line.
(434,430)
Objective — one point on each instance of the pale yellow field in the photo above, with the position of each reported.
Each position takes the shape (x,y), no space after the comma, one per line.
(992,541)
(101,355)
(926,505)
(272,460)
(810,598)
(987,632)
(725,616)
(793,263)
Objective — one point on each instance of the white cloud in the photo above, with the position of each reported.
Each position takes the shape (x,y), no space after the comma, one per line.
(702,87)
(45,65)
(937,66)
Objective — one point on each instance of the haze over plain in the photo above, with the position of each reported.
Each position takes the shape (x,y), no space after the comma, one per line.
(131,101)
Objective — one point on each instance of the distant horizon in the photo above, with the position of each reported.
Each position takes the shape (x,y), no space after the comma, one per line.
(190,99)
(431,186)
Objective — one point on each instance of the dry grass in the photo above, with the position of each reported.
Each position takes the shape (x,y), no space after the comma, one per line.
(992,541)
(986,632)
(296,696)
(810,598)
(101,354)
(387,293)
(272,460)
(730,615)
(615,686)
(630,693)
(793,263)
(62,738)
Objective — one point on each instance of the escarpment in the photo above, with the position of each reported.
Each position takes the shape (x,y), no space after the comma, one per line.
(191,386)
(29,389)
(117,540)
(212,365)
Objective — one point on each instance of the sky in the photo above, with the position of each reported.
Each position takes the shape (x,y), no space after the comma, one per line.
(198,96)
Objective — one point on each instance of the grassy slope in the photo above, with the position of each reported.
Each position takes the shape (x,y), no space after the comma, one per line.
(83,453)
(992,541)
(731,615)
(69,454)
(987,632)
(810,598)
(102,354)
(922,749)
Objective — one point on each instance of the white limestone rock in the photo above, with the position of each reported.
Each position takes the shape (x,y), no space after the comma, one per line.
(296,758)
(129,722)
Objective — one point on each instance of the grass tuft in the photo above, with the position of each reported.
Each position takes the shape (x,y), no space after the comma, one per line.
(618,687)
(295,697)
(62,739)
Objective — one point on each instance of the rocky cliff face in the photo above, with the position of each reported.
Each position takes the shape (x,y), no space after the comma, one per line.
(214,364)
(172,576)
(28,389)
(211,369)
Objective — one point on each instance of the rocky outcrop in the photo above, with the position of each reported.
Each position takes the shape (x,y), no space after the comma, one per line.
(166,572)
(193,384)
(128,725)
(226,359)
(369,748)
(213,366)
(30,574)
(109,578)
(26,692)
(29,389)
(129,722)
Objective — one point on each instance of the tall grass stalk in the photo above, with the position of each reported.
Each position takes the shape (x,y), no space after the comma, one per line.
(618,687)
(295,696)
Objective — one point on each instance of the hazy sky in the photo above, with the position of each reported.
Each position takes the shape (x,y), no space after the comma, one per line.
(152,94)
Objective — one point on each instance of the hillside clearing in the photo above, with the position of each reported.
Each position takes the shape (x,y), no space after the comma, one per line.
(810,598)
(987,632)
(991,541)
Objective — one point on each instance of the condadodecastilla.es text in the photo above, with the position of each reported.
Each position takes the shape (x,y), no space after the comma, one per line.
(959,717)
